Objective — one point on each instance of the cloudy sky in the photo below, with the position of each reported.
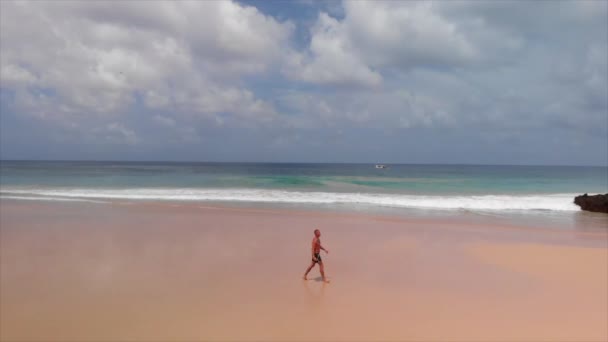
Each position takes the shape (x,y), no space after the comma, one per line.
(484,82)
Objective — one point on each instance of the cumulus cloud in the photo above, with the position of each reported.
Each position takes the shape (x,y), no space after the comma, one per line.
(489,65)
(99,58)
(116,132)
(405,34)
(16,76)
(164,121)
(395,109)
(224,73)
(331,59)
(376,35)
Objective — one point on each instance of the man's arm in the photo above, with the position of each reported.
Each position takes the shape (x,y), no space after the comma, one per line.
(326,251)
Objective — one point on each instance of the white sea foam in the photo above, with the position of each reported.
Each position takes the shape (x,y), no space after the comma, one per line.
(47,198)
(553,202)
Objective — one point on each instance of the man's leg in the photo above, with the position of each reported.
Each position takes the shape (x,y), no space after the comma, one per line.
(322,272)
(308,270)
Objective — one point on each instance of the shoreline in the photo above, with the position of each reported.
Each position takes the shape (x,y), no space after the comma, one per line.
(143,271)
(582,222)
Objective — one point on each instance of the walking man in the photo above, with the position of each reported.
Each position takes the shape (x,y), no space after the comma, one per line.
(316,255)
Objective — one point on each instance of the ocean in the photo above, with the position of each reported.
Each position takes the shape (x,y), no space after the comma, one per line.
(476,188)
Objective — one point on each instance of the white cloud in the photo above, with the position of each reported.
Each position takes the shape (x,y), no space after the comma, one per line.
(163,120)
(94,58)
(116,133)
(188,72)
(376,35)
(16,76)
(331,59)
(405,34)
(398,108)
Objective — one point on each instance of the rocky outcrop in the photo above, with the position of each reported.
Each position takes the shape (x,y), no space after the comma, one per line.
(596,203)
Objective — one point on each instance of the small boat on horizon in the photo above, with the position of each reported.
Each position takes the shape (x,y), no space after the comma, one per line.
(381,166)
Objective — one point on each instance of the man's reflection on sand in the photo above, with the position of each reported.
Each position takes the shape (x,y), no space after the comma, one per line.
(315,291)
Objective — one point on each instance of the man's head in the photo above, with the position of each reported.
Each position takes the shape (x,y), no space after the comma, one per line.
(317,233)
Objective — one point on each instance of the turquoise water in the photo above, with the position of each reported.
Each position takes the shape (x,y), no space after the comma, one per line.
(411,186)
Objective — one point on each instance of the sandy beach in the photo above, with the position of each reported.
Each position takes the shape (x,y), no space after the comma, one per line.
(190,272)
(165,164)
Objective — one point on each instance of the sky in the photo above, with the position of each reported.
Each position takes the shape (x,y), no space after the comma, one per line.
(448,82)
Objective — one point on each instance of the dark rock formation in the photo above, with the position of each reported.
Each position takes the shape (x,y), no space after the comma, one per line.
(596,203)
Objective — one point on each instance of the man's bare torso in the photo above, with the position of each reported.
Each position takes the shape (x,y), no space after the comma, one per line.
(316,245)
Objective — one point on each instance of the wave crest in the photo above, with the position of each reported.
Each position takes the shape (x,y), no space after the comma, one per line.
(553,202)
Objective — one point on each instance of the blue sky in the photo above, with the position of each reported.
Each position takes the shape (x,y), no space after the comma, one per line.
(481,82)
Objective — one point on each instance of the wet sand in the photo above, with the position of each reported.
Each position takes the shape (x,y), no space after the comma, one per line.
(159,272)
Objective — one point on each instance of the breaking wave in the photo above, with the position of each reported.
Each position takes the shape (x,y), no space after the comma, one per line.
(552,202)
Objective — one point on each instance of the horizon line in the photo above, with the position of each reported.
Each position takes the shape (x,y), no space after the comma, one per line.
(285,162)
